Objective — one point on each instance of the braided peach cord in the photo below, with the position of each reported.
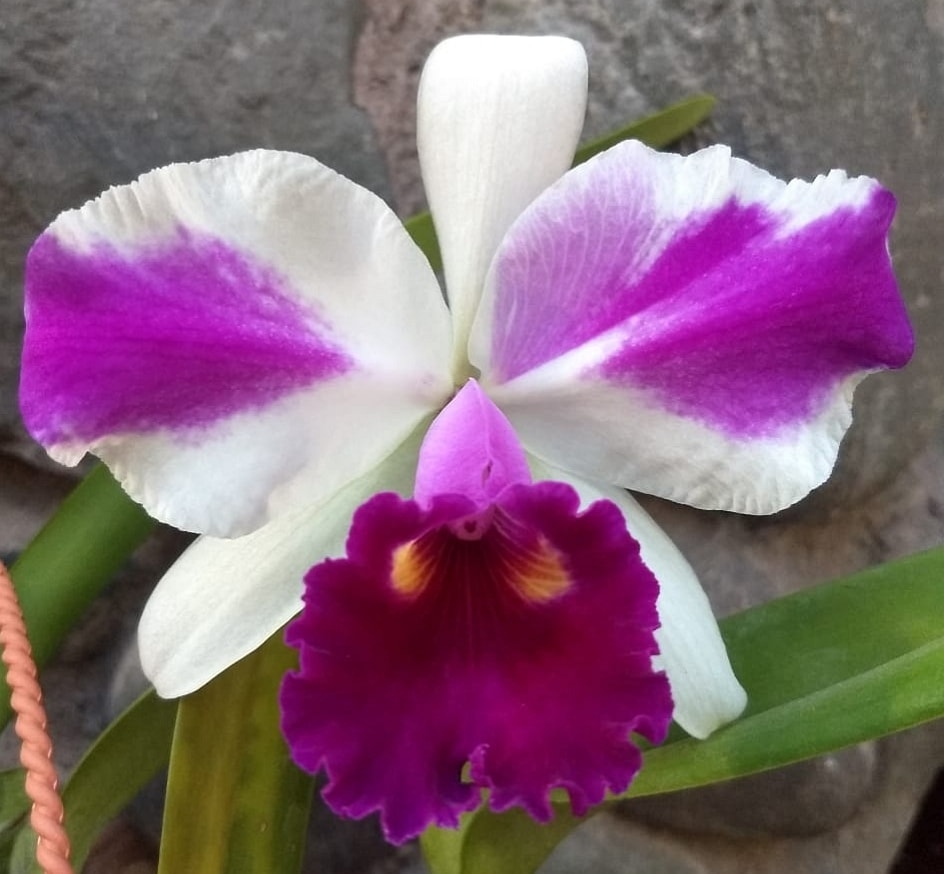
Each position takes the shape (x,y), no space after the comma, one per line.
(42,783)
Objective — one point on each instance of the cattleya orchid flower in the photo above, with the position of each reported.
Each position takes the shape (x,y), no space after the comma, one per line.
(260,353)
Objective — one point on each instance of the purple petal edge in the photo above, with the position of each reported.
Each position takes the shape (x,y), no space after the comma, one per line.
(178,334)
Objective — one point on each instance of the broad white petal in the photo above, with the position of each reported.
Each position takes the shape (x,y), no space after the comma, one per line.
(707,694)
(691,327)
(499,118)
(224,598)
(235,338)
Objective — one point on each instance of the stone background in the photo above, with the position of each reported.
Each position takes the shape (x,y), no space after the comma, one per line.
(94,92)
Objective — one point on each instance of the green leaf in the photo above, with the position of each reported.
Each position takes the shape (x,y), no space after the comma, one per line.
(658,130)
(420,228)
(511,842)
(128,754)
(235,801)
(72,559)
(14,802)
(824,668)
(14,812)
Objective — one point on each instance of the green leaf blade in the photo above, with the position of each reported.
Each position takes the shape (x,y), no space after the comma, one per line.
(892,697)
(658,130)
(229,753)
(72,559)
(14,813)
(420,228)
(818,637)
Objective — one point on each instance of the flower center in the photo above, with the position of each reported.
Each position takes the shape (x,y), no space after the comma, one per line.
(474,526)
(488,554)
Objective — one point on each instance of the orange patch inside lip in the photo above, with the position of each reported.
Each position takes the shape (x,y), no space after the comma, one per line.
(538,575)
(411,570)
(508,556)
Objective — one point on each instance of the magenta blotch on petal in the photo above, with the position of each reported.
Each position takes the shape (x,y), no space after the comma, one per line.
(788,318)
(745,311)
(168,336)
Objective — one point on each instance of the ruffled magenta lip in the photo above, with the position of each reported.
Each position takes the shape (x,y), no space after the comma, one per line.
(517,651)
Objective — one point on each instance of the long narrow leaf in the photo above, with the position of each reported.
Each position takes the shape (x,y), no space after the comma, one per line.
(14,810)
(236,804)
(420,228)
(72,559)
(824,668)
(658,130)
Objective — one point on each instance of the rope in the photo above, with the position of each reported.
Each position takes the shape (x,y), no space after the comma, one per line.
(42,783)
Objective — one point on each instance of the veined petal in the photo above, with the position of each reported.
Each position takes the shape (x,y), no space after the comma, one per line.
(705,691)
(224,598)
(235,338)
(499,118)
(692,327)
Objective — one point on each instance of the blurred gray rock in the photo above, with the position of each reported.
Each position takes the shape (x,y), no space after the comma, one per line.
(807,798)
(606,846)
(394,40)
